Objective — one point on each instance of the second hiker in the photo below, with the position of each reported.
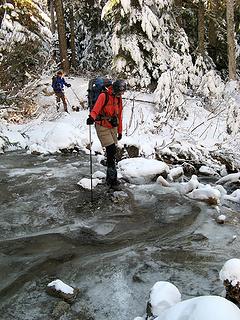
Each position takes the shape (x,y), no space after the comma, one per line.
(107,115)
(58,83)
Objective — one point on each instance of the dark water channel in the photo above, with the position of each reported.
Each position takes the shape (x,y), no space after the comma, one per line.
(113,250)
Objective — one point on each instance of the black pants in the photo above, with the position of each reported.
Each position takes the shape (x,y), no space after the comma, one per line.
(111,165)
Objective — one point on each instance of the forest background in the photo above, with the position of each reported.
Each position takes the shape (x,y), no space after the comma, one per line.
(173,49)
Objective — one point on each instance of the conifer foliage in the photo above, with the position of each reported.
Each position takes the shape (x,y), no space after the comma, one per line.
(24,41)
(145,38)
(93,37)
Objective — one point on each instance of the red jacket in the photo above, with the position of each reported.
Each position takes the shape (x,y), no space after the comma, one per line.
(112,108)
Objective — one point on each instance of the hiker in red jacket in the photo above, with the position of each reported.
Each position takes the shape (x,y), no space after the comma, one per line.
(107,115)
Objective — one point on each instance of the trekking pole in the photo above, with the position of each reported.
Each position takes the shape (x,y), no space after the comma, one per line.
(81,102)
(90,145)
(68,102)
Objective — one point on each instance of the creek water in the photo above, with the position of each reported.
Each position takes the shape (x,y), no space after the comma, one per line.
(113,249)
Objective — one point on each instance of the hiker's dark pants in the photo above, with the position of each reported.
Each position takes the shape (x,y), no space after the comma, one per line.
(111,164)
(61,96)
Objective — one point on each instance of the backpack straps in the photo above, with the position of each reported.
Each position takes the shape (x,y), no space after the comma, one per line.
(102,116)
(106,99)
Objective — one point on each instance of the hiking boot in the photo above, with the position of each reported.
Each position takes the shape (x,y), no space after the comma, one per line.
(116,186)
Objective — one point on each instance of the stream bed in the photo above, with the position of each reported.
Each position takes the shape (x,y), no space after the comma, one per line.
(113,249)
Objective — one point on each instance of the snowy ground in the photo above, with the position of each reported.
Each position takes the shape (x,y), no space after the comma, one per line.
(195,137)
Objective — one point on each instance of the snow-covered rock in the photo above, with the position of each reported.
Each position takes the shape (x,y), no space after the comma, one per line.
(207,194)
(140,170)
(231,271)
(230,178)
(221,219)
(163,295)
(175,173)
(58,288)
(202,308)
(207,171)
(162,181)
(99,175)
(189,186)
(234,197)
(230,276)
(86,183)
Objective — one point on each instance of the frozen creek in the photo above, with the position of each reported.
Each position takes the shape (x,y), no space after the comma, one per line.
(112,251)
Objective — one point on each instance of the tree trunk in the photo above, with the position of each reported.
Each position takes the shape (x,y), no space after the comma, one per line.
(212,30)
(72,38)
(62,35)
(51,9)
(178,4)
(201,28)
(231,40)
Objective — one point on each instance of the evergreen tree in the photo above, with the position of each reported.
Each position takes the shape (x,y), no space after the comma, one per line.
(146,37)
(151,49)
(211,28)
(93,36)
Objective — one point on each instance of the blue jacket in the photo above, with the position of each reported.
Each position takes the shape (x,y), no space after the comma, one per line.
(58,83)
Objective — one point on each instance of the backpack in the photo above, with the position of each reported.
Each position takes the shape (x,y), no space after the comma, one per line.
(95,87)
(55,84)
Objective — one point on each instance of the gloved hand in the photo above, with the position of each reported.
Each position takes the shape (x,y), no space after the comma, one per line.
(90,120)
(119,136)
(68,85)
